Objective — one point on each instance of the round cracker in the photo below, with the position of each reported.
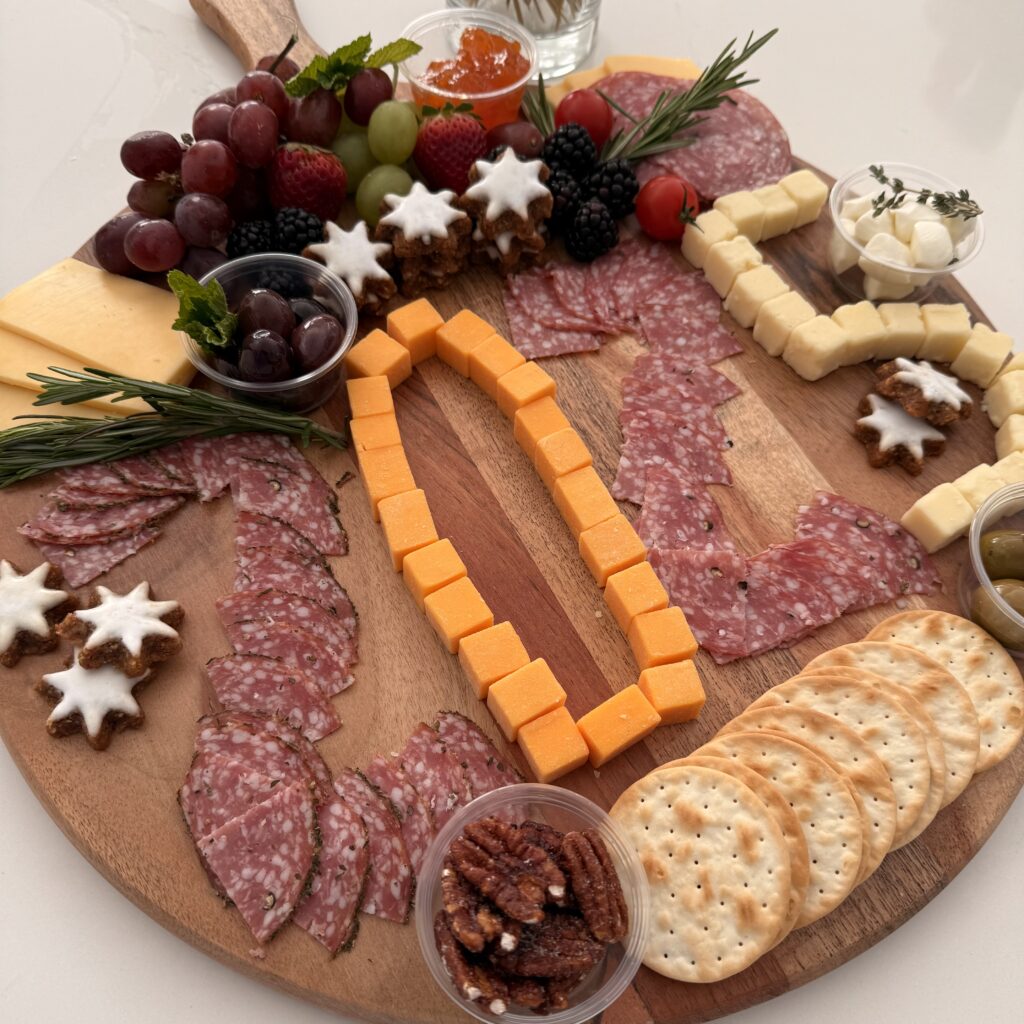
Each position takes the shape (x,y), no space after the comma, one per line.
(881,721)
(718,869)
(982,665)
(941,694)
(864,771)
(822,800)
(785,817)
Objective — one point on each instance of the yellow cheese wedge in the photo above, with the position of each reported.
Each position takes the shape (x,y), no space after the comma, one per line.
(102,320)
(672,67)
(18,402)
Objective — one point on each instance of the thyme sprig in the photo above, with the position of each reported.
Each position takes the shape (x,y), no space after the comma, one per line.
(949,204)
(45,442)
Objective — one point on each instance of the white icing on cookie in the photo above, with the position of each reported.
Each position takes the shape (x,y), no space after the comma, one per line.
(422,214)
(351,255)
(499,246)
(897,428)
(24,600)
(127,618)
(934,386)
(510,184)
(93,693)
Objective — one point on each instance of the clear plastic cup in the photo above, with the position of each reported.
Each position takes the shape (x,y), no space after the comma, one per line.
(564,810)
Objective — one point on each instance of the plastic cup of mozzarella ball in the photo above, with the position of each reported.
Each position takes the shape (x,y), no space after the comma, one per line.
(306,279)
(564,810)
(980,601)
(883,270)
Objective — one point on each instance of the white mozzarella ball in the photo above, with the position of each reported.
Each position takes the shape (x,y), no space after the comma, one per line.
(910,213)
(868,225)
(855,207)
(885,249)
(841,255)
(930,244)
(957,227)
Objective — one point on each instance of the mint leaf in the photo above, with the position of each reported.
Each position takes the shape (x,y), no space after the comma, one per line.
(332,71)
(202,312)
(354,52)
(308,79)
(393,53)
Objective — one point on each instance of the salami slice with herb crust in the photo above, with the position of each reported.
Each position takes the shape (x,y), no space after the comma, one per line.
(68,498)
(417,828)
(97,525)
(217,789)
(146,473)
(256,531)
(245,739)
(82,563)
(98,476)
(679,512)
(481,763)
(437,775)
(175,460)
(269,568)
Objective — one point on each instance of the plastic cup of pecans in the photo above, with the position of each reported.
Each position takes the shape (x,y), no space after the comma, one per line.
(565,811)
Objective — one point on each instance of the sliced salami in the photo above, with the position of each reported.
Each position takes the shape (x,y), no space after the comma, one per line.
(437,775)
(688,339)
(536,341)
(569,281)
(82,563)
(599,288)
(264,858)
(68,498)
(689,292)
(645,268)
(693,427)
(679,512)
(262,568)
(256,531)
(218,789)
(389,885)
(251,683)
(175,460)
(417,829)
(828,567)
(245,739)
(98,476)
(97,525)
(146,473)
(701,383)
(481,763)
(330,910)
(206,465)
(536,292)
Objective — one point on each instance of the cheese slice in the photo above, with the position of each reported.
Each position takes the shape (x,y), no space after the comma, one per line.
(18,402)
(101,320)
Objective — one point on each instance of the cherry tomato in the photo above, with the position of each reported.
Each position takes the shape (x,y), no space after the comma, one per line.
(586,107)
(660,206)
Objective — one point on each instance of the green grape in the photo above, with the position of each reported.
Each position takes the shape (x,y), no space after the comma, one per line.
(392,132)
(381,181)
(353,151)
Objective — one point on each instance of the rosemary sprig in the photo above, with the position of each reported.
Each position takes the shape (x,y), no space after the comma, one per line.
(949,204)
(538,109)
(46,442)
(673,114)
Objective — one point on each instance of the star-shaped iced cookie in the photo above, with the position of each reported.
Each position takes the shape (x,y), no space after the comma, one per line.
(30,607)
(508,185)
(422,214)
(356,259)
(893,435)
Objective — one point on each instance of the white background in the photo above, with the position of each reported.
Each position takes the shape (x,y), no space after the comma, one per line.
(932,82)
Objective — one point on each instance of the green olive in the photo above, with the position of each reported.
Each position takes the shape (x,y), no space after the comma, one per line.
(1002,554)
(987,614)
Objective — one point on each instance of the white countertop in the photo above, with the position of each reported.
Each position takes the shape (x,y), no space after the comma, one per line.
(932,82)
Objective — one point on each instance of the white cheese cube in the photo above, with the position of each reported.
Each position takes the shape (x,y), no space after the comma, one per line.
(725,261)
(745,210)
(1016,363)
(1005,397)
(750,291)
(910,213)
(809,193)
(1010,436)
(938,517)
(930,245)
(816,347)
(856,207)
(979,484)
(946,330)
(712,227)
(870,224)
(777,318)
(875,289)
(841,255)
(983,355)
(865,328)
(882,250)
(904,330)
(780,210)
(1011,467)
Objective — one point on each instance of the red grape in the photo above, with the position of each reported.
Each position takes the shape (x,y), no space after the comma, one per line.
(209,166)
(150,154)
(211,122)
(252,133)
(199,262)
(314,118)
(263,309)
(153,198)
(314,341)
(109,244)
(154,245)
(265,88)
(248,199)
(220,96)
(264,357)
(202,220)
(522,136)
(366,90)
(286,67)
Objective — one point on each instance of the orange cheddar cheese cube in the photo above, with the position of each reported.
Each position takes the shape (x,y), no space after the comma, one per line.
(456,611)
(633,591)
(377,355)
(407,524)
(459,336)
(430,568)
(660,637)
(583,500)
(610,547)
(491,655)
(414,326)
(674,690)
(491,359)
(523,695)
(552,745)
(369,432)
(521,386)
(385,471)
(623,719)
(536,421)
(558,454)
(369,396)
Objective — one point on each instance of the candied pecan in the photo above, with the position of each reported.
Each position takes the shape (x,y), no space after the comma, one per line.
(476,981)
(472,921)
(558,992)
(507,841)
(528,992)
(544,836)
(595,885)
(559,947)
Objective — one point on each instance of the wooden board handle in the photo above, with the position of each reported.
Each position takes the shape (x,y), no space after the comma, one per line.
(254,28)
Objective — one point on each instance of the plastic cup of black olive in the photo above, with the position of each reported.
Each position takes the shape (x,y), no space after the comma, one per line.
(295,322)
(991,585)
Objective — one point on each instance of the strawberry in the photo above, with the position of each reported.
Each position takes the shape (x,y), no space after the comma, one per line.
(308,177)
(448,144)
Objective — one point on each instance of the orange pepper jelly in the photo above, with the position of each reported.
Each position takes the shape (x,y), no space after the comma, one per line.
(485,63)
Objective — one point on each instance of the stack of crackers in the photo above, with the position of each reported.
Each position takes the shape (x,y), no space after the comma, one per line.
(795,802)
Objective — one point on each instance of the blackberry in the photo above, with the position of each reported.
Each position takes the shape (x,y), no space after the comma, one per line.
(286,283)
(592,233)
(615,184)
(250,237)
(566,195)
(570,149)
(294,229)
